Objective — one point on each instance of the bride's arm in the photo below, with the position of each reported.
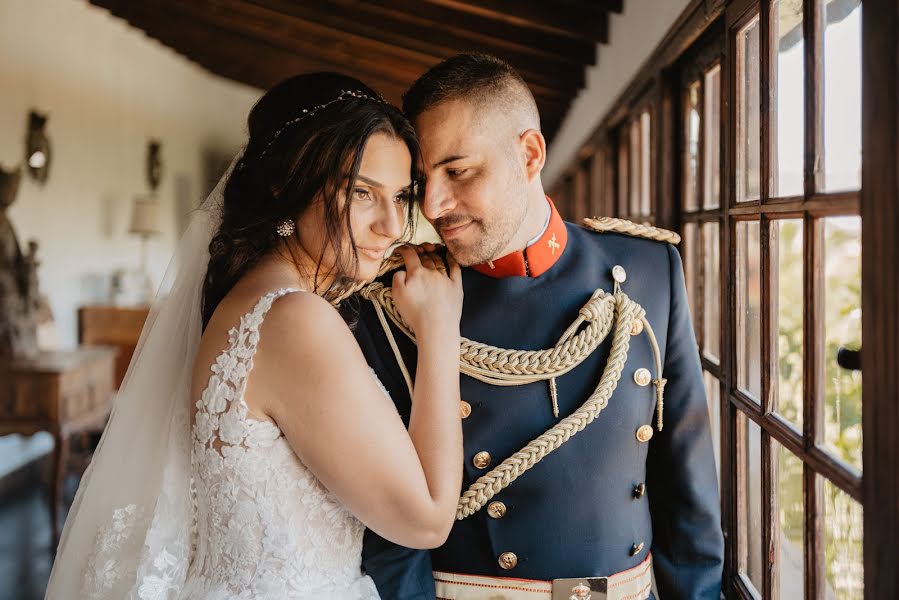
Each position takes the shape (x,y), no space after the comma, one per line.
(311,377)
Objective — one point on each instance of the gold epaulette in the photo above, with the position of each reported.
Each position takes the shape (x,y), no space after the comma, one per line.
(604,224)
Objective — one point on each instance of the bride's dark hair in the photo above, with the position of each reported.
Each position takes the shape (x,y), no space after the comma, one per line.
(303,145)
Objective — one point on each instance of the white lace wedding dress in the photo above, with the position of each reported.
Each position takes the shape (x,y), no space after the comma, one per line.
(265,528)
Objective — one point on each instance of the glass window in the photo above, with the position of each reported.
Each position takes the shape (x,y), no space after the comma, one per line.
(711,289)
(748,136)
(842,323)
(788,110)
(789,542)
(789,295)
(749,327)
(750,502)
(842,95)
(713,397)
(843,536)
(691,156)
(711,195)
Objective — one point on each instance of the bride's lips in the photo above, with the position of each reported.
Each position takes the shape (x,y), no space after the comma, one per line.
(450,232)
(373,253)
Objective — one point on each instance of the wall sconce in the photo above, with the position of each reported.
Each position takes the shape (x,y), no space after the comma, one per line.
(37,148)
(154,164)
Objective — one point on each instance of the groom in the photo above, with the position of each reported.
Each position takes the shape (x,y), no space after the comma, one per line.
(632,492)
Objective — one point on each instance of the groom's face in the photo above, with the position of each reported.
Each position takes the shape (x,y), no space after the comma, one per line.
(476,188)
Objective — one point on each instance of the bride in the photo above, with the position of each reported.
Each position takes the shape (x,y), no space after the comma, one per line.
(251,444)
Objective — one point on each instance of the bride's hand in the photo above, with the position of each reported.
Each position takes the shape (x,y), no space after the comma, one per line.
(428,293)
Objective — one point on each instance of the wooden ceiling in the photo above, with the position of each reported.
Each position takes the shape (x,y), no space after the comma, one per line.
(386,43)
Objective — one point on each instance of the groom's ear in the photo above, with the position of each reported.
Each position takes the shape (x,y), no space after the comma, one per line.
(533,146)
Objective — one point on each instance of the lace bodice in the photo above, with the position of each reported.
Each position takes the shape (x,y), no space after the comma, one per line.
(264,525)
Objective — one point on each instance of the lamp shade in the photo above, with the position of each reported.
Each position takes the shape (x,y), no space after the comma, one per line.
(145,217)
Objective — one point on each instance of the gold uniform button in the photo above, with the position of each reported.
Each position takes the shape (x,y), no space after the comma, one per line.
(639,491)
(637,327)
(464,409)
(642,377)
(497,510)
(481,460)
(508,560)
(636,549)
(644,433)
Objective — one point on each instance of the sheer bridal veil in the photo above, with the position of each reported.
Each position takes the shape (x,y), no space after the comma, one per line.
(129,531)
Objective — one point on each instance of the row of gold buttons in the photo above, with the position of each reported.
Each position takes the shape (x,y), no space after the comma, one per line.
(509,560)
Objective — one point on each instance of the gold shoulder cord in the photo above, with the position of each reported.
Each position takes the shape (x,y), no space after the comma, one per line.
(611,224)
(506,367)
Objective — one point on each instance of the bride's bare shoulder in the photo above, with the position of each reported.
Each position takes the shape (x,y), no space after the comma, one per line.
(241,301)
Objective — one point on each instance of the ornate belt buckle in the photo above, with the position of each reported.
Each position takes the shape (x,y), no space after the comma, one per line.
(581,588)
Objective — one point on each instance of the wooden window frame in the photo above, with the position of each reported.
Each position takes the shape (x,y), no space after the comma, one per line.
(878,205)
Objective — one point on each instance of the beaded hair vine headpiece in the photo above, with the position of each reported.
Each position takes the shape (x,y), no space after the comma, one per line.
(308,112)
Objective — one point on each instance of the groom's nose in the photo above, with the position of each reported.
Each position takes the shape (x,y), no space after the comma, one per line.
(438,199)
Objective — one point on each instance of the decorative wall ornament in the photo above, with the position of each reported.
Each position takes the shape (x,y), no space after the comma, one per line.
(20,300)
(38,154)
(154,164)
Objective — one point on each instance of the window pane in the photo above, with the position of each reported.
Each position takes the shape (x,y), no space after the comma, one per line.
(623,171)
(691,158)
(790,548)
(713,396)
(842,95)
(635,168)
(787,246)
(690,259)
(748,136)
(842,327)
(598,185)
(750,504)
(712,139)
(844,568)
(711,285)
(749,374)
(645,163)
(787,118)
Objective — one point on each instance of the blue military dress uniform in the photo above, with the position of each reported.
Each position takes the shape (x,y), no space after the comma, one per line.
(616,491)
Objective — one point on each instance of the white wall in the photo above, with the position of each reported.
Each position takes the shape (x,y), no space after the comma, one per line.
(107,89)
(633,35)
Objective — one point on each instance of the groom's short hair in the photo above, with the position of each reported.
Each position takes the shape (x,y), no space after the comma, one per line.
(481,79)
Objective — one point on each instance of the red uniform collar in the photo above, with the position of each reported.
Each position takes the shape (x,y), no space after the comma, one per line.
(536,259)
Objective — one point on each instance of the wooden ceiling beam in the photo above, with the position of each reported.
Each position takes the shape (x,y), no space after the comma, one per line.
(301,20)
(551,97)
(585,20)
(421,36)
(430,16)
(294,35)
(288,35)
(236,57)
(261,46)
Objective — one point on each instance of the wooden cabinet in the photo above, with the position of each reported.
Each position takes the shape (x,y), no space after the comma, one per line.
(112,326)
(61,392)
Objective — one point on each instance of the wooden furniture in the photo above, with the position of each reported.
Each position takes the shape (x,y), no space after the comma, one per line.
(112,326)
(64,393)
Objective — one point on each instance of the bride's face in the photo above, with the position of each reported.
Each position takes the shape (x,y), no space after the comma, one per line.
(378,206)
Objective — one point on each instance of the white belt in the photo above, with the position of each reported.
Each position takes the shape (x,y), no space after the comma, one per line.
(633,584)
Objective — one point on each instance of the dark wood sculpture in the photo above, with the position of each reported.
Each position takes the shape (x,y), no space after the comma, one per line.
(19,297)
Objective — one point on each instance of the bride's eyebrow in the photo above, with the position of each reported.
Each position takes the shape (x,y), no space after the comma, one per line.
(369,181)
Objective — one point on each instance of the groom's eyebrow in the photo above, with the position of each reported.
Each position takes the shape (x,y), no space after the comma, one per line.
(449,159)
